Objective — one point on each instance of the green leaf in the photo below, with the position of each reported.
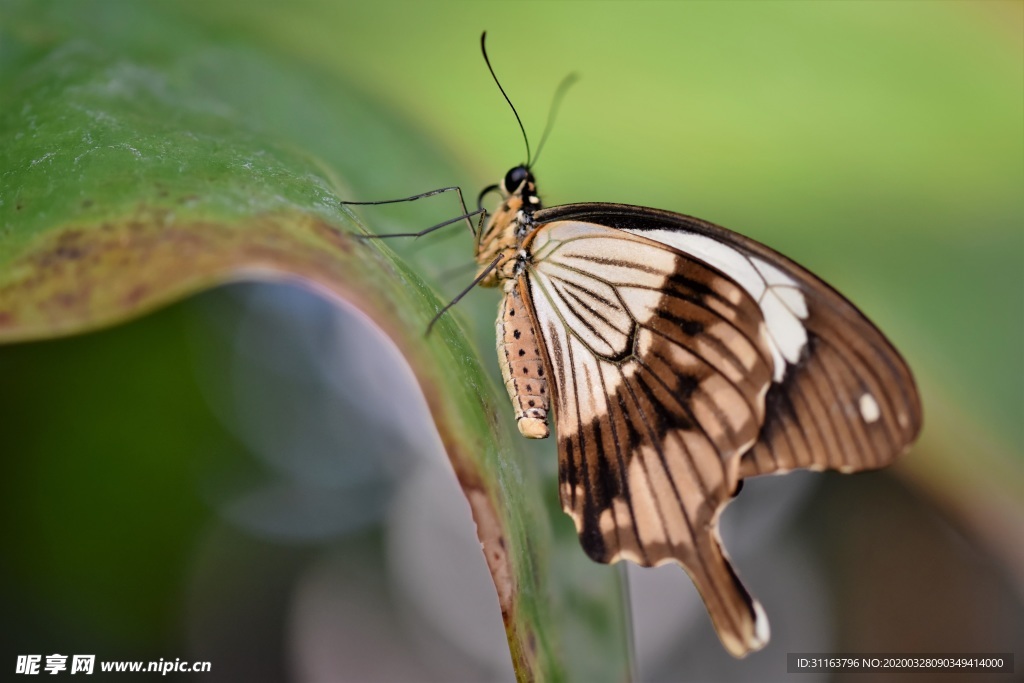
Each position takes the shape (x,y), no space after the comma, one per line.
(146,160)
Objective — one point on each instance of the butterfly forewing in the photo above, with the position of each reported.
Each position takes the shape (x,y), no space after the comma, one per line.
(661,366)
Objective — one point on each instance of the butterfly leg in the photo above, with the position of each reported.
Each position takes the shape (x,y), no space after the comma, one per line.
(466,213)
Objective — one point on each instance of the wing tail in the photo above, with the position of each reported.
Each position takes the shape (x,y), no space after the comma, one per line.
(739,620)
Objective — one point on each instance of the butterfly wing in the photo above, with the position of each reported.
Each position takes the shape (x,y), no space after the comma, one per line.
(842,397)
(684,358)
(660,366)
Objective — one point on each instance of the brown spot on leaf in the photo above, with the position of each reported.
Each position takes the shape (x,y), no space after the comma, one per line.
(85,276)
(135,295)
(332,235)
(489,529)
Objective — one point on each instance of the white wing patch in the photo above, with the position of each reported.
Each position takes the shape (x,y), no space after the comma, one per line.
(869,408)
(782,304)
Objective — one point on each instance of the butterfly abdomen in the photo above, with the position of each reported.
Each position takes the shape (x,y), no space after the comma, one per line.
(522,365)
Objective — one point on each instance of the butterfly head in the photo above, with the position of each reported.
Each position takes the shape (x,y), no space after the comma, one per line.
(519,183)
(517,177)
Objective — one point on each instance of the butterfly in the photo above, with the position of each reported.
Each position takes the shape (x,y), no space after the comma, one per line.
(679,358)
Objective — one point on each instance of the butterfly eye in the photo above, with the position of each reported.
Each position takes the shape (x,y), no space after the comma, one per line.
(514,178)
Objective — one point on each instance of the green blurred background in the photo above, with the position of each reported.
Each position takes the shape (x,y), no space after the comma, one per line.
(189,485)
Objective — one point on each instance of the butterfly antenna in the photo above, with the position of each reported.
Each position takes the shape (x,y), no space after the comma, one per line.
(483,48)
(556,101)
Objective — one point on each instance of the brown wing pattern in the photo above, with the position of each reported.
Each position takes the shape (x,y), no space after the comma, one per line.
(849,402)
(661,367)
(849,405)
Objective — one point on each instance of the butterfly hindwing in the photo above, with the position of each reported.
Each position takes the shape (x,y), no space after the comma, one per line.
(660,367)
(849,406)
